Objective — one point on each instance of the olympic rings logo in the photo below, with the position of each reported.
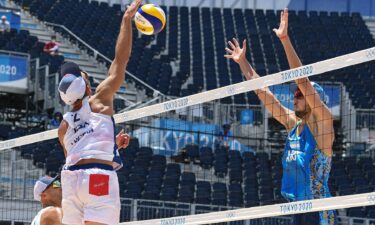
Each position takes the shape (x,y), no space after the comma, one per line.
(370,53)
(231,90)
(8,144)
(125,116)
(230,215)
(371,198)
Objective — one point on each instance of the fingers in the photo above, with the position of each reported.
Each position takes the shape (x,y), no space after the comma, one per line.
(120,133)
(228,50)
(244,45)
(124,141)
(228,56)
(236,42)
(133,7)
(138,3)
(274,30)
(286,14)
(231,45)
(127,138)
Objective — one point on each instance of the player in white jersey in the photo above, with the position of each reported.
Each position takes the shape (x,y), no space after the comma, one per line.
(47,190)
(90,189)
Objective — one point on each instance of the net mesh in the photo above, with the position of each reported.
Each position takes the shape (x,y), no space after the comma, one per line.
(198,155)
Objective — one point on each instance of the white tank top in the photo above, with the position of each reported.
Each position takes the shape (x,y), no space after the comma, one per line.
(89,136)
(36,220)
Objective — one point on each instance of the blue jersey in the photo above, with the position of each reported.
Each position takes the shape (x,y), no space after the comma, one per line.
(306,170)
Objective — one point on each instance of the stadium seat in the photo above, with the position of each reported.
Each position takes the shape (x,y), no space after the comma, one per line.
(184,25)
(203,193)
(219,194)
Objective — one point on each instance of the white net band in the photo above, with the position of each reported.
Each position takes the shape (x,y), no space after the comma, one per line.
(266,211)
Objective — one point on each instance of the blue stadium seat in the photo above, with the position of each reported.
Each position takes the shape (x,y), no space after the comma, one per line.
(187,187)
(192,152)
(356,212)
(235,195)
(268,57)
(203,193)
(220,162)
(219,194)
(206,157)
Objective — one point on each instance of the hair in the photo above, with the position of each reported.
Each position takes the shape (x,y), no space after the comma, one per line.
(58,114)
(53,37)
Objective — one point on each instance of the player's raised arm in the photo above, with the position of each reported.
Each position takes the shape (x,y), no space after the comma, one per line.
(304,85)
(116,74)
(278,111)
(282,33)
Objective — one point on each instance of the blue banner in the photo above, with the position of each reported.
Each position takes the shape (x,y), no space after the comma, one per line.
(170,136)
(12,68)
(13,74)
(332,96)
(247,116)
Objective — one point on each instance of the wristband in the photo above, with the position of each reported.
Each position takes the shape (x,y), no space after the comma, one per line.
(283,37)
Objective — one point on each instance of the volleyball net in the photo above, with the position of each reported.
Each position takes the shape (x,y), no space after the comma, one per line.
(321,67)
(210,155)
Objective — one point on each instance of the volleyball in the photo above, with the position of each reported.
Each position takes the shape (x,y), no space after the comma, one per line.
(150,19)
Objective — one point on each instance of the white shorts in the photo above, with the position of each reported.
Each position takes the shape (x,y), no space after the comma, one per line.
(90,195)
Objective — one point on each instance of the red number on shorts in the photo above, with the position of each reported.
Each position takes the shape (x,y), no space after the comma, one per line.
(99,184)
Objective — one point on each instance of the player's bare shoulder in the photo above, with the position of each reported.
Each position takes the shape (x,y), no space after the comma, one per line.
(97,106)
(51,215)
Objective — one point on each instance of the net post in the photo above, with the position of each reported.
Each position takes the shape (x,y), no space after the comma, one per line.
(192,210)
(133,208)
(265,125)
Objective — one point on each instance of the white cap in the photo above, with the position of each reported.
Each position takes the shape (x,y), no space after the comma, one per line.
(42,184)
(72,88)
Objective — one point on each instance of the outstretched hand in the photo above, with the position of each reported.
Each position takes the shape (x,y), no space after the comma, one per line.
(132,8)
(122,140)
(282,31)
(235,52)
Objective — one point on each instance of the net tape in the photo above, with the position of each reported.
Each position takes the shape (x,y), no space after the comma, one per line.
(238,88)
(315,205)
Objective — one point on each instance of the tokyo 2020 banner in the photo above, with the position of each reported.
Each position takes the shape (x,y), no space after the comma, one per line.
(13,74)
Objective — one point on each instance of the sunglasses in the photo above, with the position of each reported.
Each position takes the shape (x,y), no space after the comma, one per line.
(54,184)
(298,94)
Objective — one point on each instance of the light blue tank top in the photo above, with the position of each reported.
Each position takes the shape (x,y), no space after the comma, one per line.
(306,170)
(305,167)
